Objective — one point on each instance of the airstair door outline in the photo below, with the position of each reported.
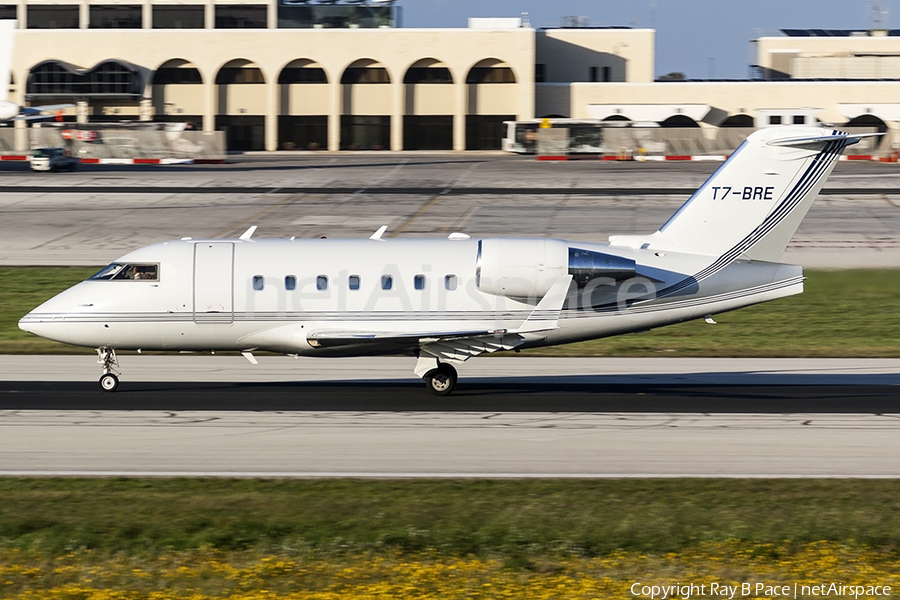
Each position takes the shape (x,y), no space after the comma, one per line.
(214,282)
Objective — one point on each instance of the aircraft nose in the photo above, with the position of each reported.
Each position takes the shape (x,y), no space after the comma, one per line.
(25,323)
(33,323)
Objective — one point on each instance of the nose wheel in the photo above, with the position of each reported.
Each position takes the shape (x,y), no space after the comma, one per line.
(442,380)
(109,382)
(109,364)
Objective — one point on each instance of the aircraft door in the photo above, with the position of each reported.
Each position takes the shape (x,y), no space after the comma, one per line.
(214,282)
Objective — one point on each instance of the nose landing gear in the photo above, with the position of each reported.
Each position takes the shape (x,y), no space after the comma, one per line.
(109,364)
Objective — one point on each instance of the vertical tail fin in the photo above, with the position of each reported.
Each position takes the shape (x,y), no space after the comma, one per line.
(7,31)
(752,205)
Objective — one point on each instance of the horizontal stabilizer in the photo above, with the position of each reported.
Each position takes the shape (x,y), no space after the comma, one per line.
(851,139)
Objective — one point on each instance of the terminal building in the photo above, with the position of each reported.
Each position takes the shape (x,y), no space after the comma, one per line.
(292,74)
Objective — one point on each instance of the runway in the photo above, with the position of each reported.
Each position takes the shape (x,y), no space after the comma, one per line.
(510,417)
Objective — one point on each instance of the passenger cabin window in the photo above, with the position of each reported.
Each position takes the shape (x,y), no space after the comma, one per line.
(450,282)
(259,282)
(387,282)
(128,272)
(354,282)
(322,282)
(290,282)
(419,282)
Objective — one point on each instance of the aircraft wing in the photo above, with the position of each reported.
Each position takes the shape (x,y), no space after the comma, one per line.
(333,339)
(27,113)
(456,346)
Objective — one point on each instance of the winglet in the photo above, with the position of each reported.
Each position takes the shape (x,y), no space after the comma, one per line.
(377,235)
(546,314)
(247,234)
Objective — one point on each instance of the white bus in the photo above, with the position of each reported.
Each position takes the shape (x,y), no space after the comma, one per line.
(585,135)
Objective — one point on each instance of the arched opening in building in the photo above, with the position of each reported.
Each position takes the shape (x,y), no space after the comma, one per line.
(303,113)
(867,120)
(733,131)
(177,93)
(429,106)
(738,121)
(241,99)
(679,121)
(366,106)
(112,88)
(491,99)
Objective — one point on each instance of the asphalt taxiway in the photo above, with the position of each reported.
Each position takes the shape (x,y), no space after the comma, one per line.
(95,215)
(510,417)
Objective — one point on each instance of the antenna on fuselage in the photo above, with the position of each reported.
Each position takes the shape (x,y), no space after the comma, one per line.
(377,235)
(247,234)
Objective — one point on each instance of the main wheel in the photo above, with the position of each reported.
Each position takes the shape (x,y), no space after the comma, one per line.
(109,382)
(442,380)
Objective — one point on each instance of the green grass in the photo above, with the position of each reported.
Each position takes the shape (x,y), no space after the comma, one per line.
(24,288)
(841,314)
(450,518)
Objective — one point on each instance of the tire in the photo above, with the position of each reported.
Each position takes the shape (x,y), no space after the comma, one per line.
(109,382)
(442,380)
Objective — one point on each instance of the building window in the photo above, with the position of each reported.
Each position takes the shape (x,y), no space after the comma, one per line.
(354,75)
(259,282)
(115,16)
(109,78)
(52,16)
(290,283)
(291,75)
(419,282)
(593,75)
(428,75)
(540,73)
(387,282)
(239,75)
(354,282)
(775,120)
(177,76)
(799,120)
(241,16)
(607,74)
(491,75)
(178,17)
(322,282)
(450,282)
(8,11)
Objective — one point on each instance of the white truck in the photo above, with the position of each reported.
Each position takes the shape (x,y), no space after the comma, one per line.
(52,159)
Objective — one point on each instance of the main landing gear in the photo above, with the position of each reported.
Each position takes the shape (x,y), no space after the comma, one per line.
(442,380)
(109,364)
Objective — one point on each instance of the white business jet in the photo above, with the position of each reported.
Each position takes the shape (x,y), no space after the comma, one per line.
(444,301)
(10,111)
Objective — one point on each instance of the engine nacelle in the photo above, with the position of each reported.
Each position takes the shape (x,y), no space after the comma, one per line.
(587,265)
(527,268)
(520,268)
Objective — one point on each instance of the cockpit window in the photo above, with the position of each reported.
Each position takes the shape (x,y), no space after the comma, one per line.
(128,272)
